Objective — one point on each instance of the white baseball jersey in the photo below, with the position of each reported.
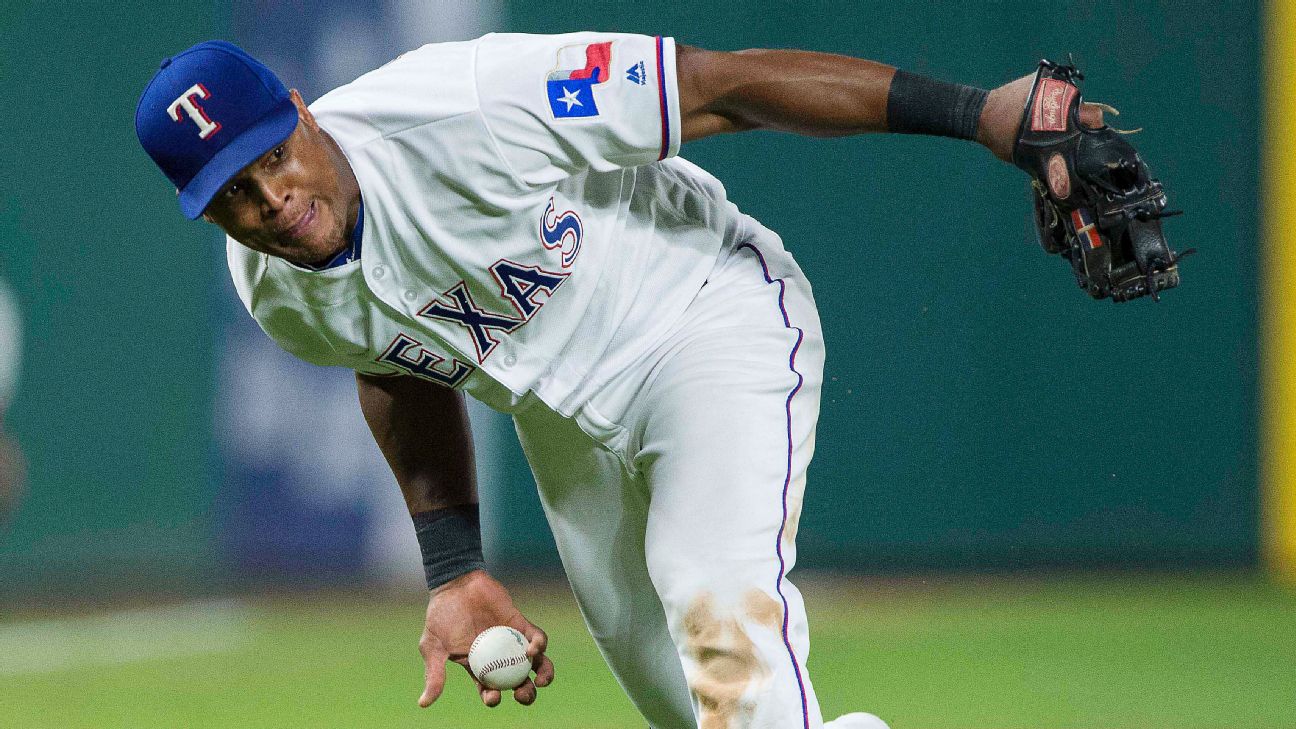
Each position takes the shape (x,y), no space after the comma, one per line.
(524,229)
(10,345)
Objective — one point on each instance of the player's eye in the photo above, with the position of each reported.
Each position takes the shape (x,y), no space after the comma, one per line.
(233,190)
(279,152)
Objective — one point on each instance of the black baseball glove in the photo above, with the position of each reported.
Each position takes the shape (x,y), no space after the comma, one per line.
(1096,203)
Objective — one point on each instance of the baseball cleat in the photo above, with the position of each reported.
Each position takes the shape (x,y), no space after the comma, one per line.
(858,720)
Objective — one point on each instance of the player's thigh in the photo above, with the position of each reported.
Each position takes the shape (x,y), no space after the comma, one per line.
(598,515)
(725,451)
(726,428)
(725,440)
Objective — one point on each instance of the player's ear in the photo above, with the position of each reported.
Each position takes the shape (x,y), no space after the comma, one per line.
(303,113)
(207,218)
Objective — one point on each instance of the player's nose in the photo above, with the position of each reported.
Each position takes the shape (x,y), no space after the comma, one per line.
(274,197)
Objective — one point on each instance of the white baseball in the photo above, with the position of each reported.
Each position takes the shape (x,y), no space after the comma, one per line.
(498,658)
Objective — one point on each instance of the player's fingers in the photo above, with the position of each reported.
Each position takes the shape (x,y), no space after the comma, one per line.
(537,644)
(544,670)
(1091,115)
(434,672)
(526,693)
(489,696)
(537,640)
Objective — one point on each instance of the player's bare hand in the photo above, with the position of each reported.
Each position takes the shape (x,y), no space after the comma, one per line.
(457,612)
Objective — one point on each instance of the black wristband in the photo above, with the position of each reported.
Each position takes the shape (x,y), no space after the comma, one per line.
(450,540)
(921,105)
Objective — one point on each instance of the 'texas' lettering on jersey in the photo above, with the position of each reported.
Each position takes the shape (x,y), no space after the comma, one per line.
(519,284)
(563,231)
(526,288)
(409,354)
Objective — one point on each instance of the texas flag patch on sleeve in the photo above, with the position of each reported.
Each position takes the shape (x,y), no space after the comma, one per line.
(571,84)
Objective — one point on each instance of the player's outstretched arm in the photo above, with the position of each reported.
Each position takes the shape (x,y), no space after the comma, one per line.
(827,95)
(1095,201)
(422,430)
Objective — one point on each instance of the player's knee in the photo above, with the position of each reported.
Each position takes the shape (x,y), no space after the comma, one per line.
(731,648)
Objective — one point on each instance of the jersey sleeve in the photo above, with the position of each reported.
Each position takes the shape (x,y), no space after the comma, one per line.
(559,104)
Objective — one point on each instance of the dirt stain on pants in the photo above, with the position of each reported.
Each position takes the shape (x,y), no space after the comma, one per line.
(727,662)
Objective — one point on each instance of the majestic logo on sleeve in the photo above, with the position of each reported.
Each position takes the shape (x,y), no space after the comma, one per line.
(189,102)
(562,231)
(571,86)
(638,74)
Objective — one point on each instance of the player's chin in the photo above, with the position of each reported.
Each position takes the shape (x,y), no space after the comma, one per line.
(311,249)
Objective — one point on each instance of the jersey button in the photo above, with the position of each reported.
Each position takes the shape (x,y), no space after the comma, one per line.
(510,360)
(379,271)
(410,295)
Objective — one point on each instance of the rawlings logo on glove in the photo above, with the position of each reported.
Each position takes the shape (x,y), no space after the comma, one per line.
(1095,202)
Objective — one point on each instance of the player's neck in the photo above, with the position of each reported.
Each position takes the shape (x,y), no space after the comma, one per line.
(348,185)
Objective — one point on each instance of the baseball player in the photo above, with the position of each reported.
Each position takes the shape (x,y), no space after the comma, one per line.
(508,218)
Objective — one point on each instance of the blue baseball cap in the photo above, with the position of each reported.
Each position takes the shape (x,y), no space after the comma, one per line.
(210,111)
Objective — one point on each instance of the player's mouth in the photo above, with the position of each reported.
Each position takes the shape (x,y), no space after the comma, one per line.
(299,229)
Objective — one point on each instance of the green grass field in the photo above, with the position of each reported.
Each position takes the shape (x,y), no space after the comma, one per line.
(1003,653)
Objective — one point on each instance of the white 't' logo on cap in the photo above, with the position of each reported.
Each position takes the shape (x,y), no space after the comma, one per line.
(206,127)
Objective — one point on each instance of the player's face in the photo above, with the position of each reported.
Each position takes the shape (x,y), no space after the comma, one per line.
(297,202)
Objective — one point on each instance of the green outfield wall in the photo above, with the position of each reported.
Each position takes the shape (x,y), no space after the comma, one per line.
(979,411)
(113,408)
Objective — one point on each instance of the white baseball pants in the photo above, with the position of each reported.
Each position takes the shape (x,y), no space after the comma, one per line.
(674,497)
